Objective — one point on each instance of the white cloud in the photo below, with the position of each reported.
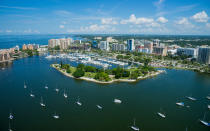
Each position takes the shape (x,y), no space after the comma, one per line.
(17,7)
(162,20)
(208,25)
(62,13)
(108,21)
(94,28)
(64,22)
(183,21)
(61,26)
(159,4)
(200,17)
(8,31)
(133,20)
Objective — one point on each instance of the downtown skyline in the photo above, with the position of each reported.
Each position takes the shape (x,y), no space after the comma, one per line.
(105,17)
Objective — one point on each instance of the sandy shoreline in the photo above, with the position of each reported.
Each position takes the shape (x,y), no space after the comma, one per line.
(112,81)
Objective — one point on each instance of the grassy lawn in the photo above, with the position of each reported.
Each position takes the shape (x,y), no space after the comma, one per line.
(90,75)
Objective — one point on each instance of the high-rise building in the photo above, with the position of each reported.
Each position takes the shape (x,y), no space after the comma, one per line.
(156,42)
(160,50)
(204,55)
(188,51)
(104,45)
(130,45)
(62,43)
(118,47)
(24,47)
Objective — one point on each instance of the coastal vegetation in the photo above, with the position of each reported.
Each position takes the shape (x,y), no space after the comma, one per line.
(105,75)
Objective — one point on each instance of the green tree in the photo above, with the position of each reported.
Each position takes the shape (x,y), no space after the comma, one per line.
(102,76)
(78,73)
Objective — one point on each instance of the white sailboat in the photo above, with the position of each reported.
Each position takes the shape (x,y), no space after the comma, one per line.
(99,107)
(161,114)
(78,102)
(46,87)
(56,116)
(10,129)
(204,122)
(32,95)
(24,85)
(10,116)
(134,127)
(65,95)
(180,103)
(57,90)
(117,101)
(41,103)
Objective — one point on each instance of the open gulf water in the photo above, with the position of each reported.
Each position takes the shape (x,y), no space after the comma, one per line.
(140,100)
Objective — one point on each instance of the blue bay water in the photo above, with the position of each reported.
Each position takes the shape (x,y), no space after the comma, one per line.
(140,100)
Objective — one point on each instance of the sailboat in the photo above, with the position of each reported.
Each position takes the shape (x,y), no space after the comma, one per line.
(46,87)
(64,94)
(78,102)
(41,103)
(9,127)
(32,95)
(24,85)
(117,101)
(10,116)
(134,127)
(56,116)
(191,98)
(99,107)
(204,122)
(180,103)
(57,90)
(161,114)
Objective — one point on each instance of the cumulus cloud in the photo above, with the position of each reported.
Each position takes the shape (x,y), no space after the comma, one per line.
(94,28)
(108,21)
(61,26)
(162,20)
(208,25)
(159,4)
(200,17)
(132,19)
(8,31)
(184,23)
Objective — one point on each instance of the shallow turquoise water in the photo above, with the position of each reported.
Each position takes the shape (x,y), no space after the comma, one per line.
(140,100)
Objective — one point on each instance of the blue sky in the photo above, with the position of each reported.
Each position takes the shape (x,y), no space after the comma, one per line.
(169,17)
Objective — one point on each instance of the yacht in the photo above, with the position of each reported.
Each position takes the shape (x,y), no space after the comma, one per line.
(191,98)
(161,115)
(209,107)
(10,116)
(134,127)
(41,103)
(208,97)
(117,101)
(99,107)
(65,95)
(204,122)
(56,116)
(180,103)
(78,102)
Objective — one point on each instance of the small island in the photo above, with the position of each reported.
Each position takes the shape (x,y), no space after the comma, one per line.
(105,76)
